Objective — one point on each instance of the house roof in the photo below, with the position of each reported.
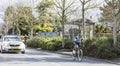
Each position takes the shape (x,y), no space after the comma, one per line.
(79,22)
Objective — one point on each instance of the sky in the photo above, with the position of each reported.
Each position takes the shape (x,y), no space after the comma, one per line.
(5,3)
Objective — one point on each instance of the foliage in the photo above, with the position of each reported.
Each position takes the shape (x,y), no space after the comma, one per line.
(101,47)
(68,44)
(44,27)
(48,43)
(101,29)
(107,15)
(46,17)
(8,18)
(44,9)
(21,18)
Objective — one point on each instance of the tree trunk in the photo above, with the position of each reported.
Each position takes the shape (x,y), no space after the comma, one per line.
(83,20)
(31,32)
(114,24)
(63,19)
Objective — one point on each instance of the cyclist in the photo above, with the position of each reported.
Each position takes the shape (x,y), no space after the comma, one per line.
(77,51)
(77,41)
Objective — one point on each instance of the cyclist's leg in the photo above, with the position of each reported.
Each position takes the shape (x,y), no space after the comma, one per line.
(74,51)
(74,54)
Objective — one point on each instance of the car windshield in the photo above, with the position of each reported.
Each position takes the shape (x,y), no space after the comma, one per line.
(11,39)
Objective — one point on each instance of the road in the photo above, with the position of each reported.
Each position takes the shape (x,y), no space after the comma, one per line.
(41,58)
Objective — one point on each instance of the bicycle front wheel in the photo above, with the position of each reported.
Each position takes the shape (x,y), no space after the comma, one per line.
(80,54)
(74,54)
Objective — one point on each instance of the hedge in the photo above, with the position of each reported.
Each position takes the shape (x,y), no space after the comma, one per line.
(49,43)
(102,47)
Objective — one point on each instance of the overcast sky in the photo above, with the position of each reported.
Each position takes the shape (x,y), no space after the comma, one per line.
(5,3)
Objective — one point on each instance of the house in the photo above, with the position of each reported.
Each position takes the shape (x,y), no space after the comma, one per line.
(78,24)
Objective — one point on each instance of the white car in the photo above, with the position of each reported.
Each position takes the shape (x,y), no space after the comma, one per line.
(12,43)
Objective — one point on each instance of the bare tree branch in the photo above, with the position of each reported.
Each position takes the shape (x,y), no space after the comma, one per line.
(70,5)
(115,5)
(74,10)
(87,1)
(81,1)
(58,13)
(57,4)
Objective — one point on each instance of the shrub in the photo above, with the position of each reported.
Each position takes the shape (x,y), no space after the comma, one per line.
(68,44)
(34,42)
(106,51)
(101,47)
(89,48)
(47,43)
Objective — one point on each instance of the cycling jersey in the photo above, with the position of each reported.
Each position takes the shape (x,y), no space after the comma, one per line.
(78,40)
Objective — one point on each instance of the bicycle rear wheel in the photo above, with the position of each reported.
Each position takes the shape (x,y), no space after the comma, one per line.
(80,54)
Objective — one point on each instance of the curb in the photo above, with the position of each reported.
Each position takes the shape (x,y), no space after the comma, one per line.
(108,61)
(112,62)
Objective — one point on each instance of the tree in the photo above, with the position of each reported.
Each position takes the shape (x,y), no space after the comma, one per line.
(44,9)
(63,8)
(26,18)
(107,16)
(9,18)
(22,20)
(115,6)
(86,5)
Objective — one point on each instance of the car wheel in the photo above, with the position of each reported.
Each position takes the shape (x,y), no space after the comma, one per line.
(23,52)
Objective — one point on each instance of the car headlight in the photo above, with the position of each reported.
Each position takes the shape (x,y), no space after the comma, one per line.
(6,44)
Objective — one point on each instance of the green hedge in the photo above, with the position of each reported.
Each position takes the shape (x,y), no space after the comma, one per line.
(102,47)
(47,43)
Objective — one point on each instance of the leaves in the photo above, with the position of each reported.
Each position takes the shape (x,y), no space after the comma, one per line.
(44,27)
(21,17)
(100,29)
(8,19)
(44,9)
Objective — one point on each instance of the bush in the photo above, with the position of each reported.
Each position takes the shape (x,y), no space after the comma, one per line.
(34,42)
(47,43)
(90,48)
(101,48)
(68,44)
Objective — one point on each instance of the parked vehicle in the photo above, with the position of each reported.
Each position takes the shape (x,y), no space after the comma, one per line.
(12,43)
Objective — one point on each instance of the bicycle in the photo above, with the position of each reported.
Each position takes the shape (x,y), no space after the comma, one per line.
(77,53)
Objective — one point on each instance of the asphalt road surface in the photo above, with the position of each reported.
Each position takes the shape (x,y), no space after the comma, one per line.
(41,58)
